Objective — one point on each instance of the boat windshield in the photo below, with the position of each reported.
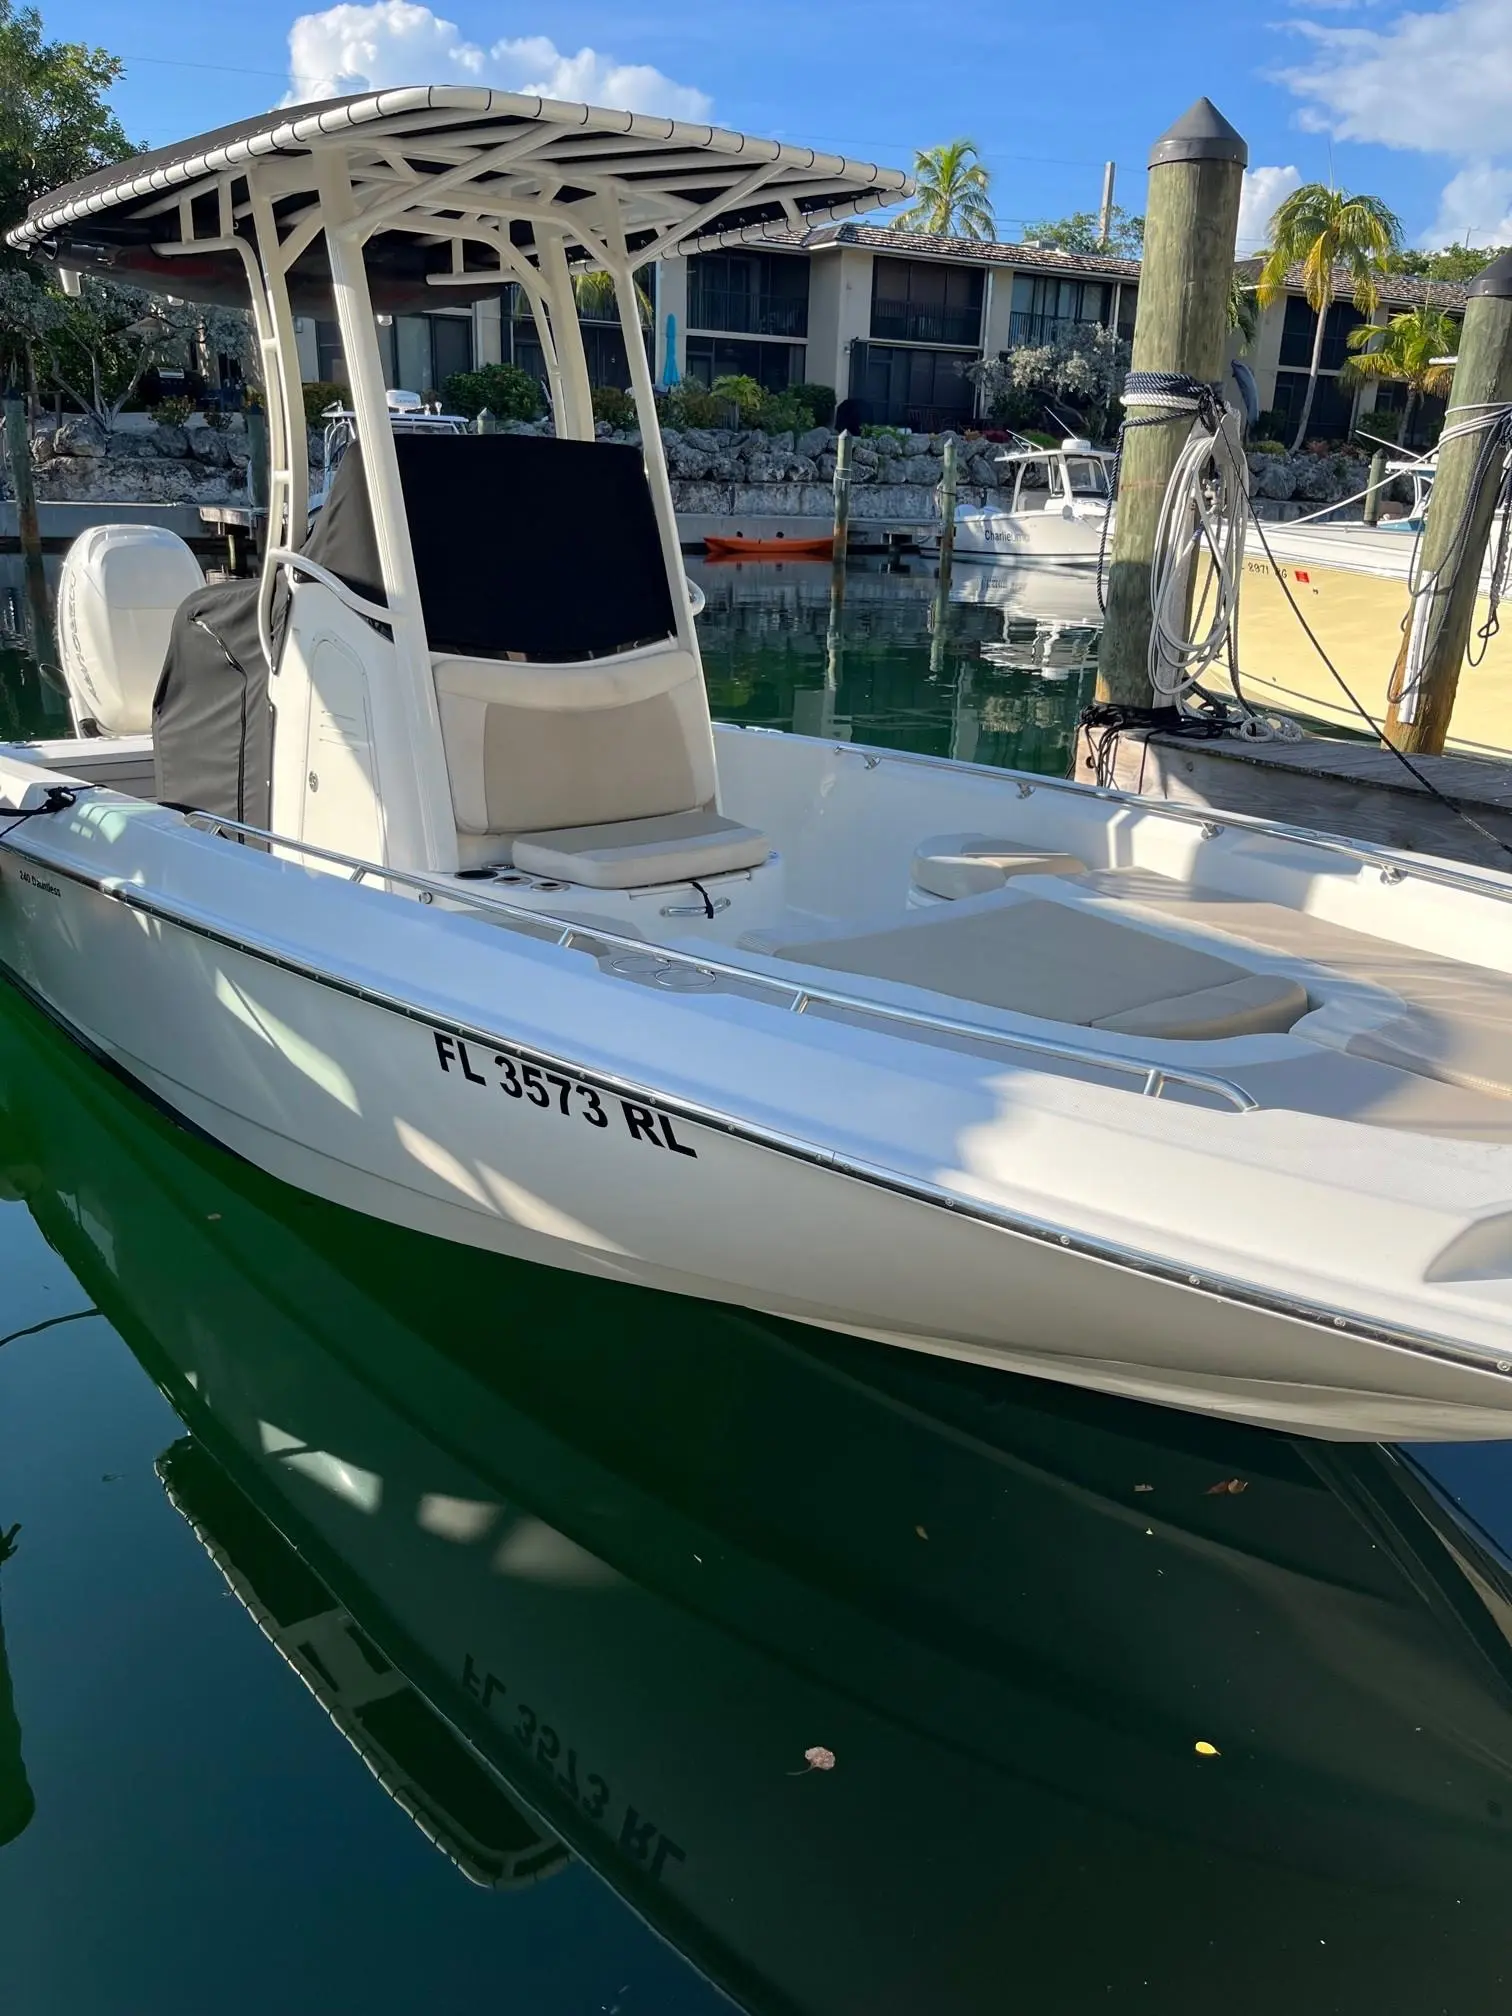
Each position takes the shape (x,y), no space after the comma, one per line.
(1086,476)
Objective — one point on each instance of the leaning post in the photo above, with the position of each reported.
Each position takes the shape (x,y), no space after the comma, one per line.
(1192,217)
(28,528)
(1464,487)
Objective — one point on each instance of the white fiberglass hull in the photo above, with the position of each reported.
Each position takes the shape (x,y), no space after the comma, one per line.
(484,1107)
(1063,537)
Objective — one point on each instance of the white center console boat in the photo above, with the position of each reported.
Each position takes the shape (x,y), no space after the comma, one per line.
(1059,510)
(417,875)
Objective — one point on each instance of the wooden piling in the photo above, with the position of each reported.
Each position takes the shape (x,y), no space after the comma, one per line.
(18,455)
(1376,486)
(941,613)
(1433,650)
(1192,215)
(842,496)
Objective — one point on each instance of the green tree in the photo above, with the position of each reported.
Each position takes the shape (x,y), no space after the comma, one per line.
(1082,232)
(597,301)
(54,123)
(1320,229)
(1450,262)
(952,197)
(1243,314)
(1406,352)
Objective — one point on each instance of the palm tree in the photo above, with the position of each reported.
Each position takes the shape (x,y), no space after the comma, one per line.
(1320,229)
(952,193)
(596,299)
(1242,313)
(1406,352)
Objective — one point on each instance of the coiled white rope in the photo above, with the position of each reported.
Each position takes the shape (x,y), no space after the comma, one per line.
(1202,514)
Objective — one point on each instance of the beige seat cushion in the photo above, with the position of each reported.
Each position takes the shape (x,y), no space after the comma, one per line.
(1261,1004)
(1456,1027)
(1031,956)
(954,865)
(636,853)
(535,747)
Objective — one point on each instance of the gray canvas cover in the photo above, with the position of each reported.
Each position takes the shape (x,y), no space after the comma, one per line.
(212,726)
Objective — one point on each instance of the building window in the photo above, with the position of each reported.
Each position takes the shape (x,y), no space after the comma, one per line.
(1047,305)
(750,293)
(330,363)
(427,349)
(926,301)
(1332,407)
(1300,326)
(922,389)
(773,365)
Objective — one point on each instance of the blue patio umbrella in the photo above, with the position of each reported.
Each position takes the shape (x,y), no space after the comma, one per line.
(670,373)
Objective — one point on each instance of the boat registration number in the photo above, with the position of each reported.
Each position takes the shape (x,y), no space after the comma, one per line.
(555,1092)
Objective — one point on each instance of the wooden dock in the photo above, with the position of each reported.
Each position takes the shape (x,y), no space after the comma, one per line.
(1356,789)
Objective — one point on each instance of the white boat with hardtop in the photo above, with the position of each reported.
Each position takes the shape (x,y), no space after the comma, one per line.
(416,874)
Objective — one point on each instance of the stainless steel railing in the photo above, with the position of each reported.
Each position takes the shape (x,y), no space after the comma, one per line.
(639,960)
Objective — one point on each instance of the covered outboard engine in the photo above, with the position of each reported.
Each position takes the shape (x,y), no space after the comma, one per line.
(117,593)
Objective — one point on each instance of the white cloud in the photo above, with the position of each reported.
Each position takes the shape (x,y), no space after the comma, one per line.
(358,48)
(1264,189)
(1475,207)
(1439,82)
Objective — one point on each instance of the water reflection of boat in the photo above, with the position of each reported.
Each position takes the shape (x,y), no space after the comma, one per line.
(1052,616)
(643,1554)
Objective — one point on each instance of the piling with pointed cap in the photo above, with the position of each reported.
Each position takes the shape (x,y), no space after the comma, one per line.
(1433,650)
(1192,217)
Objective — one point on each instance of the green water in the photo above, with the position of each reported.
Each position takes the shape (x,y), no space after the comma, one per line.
(391,1627)
(560,1581)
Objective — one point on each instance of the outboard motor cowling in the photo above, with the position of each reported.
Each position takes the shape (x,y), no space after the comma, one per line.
(117,593)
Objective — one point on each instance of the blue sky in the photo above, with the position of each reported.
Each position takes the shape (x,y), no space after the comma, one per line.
(1413,104)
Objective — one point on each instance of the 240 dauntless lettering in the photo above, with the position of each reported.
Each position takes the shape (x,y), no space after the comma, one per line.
(552,1091)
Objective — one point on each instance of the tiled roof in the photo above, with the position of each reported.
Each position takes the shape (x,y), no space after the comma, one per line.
(971,251)
(1398,290)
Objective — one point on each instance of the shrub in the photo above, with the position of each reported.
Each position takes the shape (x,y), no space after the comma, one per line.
(782,413)
(744,394)
(1267,447)
(319,394)
(508,392)
(612,403)
(172,412)
(818,399)
(692,405)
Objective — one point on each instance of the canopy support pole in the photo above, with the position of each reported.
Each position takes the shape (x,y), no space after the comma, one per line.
(419,831)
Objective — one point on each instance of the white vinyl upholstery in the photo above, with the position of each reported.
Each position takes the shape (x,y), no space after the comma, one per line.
(637,853)
(955,865)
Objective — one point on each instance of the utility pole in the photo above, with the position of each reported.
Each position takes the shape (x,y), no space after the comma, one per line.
(1105,219)
(1460,511)
(1181,326)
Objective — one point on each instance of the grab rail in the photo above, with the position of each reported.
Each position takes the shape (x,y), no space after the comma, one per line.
(800,996)
(1394,863)
(300,563)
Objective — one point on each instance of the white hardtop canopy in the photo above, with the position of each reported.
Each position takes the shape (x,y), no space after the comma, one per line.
(430,195)
(434,166)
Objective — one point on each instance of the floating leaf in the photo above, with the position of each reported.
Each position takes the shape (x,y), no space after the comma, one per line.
(1231,1486)
(1208,1750)
(921,1533)
(1144,1487)
(816,1758)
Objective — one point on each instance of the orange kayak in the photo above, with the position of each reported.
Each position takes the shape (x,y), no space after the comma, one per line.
(735,546)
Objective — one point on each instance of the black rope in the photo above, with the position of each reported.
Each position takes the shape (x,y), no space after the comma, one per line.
(1103,722)
(59,798)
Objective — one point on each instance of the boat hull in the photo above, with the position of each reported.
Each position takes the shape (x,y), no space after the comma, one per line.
(1356,611)
(1053,538)
(483,1134)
